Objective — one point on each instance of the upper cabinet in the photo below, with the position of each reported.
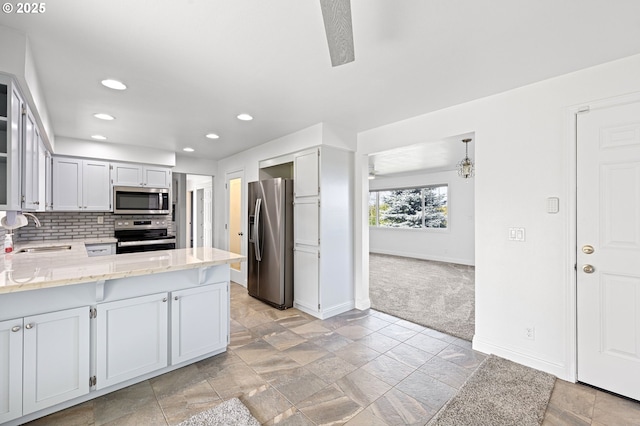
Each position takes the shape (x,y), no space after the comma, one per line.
(306,183)
(81,185)
(33,165)
(127,174)
(11,129)
(22,152)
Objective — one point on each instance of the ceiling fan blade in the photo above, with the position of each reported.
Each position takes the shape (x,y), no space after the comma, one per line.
(337,24)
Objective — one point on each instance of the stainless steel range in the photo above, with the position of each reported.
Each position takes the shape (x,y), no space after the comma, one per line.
(143,235)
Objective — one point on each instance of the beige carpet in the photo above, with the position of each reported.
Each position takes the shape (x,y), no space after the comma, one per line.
(499,393)
(437,295)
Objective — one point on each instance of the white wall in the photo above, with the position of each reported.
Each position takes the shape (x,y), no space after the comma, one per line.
(114,152)
(195,165)
(455,244)
(525,152)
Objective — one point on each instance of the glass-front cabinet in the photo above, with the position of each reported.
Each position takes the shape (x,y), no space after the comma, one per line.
(11,127)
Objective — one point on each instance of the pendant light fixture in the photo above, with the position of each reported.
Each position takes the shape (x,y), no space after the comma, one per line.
(465,166)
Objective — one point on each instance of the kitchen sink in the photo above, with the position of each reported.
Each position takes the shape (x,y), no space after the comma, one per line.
(44,249)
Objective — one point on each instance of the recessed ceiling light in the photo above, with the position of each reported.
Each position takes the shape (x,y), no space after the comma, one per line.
(245,117)
(188,149)
(114,84)
(99,137)
(103,116)
(212,136)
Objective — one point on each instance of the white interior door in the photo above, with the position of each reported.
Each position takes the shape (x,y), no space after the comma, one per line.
(235,223)
(207,223)
(199,226)
(608,220)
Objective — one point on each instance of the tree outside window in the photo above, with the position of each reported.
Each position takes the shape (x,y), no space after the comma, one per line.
(423,207)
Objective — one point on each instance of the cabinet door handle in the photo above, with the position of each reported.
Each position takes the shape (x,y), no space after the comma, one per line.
(164,299)
(29,326)
(15,328)
(175,298)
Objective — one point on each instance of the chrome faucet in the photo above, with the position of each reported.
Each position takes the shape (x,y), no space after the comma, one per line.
(35,219)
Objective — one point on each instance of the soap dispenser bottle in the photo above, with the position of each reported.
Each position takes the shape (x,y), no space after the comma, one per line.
(8,243)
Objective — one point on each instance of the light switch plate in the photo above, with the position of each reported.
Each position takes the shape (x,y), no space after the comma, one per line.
(516,234)
(553,205)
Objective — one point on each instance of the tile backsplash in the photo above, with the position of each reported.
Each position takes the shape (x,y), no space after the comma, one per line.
(74,225)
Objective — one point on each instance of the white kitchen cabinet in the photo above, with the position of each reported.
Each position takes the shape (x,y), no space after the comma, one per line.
(81,185)
(44,360)
(323,236)
(128,174)
(156,177)
(48,178)
(11,134)
(306,181)
(10,369)
(103,249)
(306,230)
(199,321)
(306,278)
(55,358)
(132,338)
(34,155)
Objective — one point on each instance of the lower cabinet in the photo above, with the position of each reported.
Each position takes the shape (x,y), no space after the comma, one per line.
(44,360)
(10,369)
(131,338)
(198,321)
(306,268)
(135,336)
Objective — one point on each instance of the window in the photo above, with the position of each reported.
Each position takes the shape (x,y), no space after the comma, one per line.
(417,208)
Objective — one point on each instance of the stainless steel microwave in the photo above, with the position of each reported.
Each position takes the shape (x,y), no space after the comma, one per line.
(139,200)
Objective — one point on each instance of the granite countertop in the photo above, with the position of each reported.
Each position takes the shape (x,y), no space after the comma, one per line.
(30,271)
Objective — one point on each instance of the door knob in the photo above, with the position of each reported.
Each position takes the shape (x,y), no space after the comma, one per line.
(241,233)
(587,249)
(588,269)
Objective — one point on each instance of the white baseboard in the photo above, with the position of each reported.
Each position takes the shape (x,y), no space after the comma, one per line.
(338,309)
(422,256)
(557,369)
(363,304)
(325,313)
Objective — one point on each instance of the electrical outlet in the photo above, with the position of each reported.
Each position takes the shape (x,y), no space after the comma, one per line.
(530,333)
(100,220)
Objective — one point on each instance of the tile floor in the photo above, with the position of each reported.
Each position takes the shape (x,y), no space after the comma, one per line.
(359,368)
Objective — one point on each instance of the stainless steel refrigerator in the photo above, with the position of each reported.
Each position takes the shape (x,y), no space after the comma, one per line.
(270,253)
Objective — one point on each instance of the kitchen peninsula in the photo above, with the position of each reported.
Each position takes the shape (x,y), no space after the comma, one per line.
(74,327)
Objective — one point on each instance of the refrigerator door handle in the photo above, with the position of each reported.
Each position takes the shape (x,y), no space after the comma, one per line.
(256,231)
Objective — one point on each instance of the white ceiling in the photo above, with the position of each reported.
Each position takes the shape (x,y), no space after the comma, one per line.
(193,65)
(427,156)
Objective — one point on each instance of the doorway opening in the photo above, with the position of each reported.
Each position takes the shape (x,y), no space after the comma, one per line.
(193,210)
(422,235)
(234,226)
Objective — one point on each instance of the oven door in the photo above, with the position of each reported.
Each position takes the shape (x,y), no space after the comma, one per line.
(135,200)
(145,245)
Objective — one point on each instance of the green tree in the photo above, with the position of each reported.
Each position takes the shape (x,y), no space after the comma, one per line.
(435,207)
(404,208)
